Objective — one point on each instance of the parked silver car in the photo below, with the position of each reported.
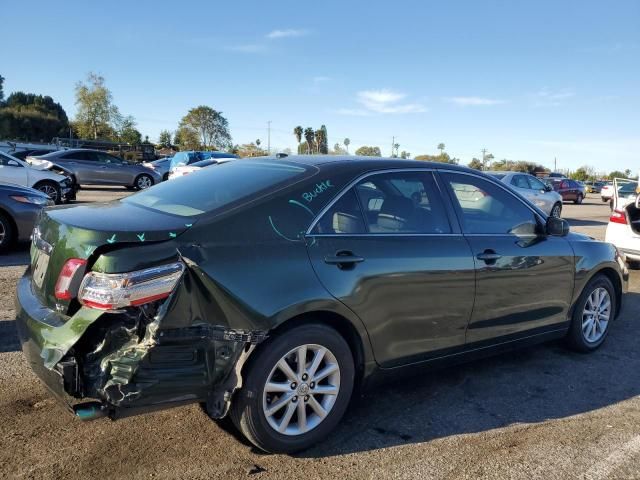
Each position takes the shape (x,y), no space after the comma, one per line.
(94,167)
(537,192)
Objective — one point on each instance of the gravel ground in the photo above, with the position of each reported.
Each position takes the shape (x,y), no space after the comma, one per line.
(542,412)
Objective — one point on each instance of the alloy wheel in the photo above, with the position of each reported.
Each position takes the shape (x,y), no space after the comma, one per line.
(301,389)
(144,182)
(3,232)
(50,191)
(596,314)
(556,210)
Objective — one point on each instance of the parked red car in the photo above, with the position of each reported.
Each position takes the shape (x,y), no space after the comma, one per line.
(570,190)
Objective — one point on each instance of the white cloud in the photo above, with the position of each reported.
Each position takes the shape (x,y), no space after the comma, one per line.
(290,32)
(474,101)
(321,79)
(550,98)
(247,48)
(387,101)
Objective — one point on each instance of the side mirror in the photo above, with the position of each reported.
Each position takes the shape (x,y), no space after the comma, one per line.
(547,188)
(557,227)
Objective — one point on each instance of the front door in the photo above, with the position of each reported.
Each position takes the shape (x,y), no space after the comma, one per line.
(386,249)
(12,171)
(524,278)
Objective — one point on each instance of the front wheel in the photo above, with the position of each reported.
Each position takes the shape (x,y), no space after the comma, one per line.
(143,181)
(592,315)
(6,233)
(556,211)
(296,390)
(51,189)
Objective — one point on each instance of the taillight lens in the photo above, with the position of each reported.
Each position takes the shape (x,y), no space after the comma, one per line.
(65,279)
(618,216)
(112,291)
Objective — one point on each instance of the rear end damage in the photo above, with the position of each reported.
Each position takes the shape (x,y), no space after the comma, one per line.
(107,345)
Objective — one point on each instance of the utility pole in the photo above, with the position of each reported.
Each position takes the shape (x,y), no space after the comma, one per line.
(269,137)
(393,145)
(555,164)
(484,151)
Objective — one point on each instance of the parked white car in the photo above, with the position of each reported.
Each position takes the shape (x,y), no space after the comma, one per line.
(606,193)
(623,229)
(182,170)
(534,190)
(17,172)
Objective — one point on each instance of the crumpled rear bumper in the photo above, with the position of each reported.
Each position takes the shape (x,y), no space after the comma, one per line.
(126,361)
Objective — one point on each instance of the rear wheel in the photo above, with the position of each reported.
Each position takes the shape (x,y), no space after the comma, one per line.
(579,199)
(51,189)
(604,200)
(143,181)
(6,232)
(556,211)
(296,389)
(592,315)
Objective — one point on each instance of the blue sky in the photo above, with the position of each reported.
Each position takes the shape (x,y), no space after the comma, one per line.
(525,80)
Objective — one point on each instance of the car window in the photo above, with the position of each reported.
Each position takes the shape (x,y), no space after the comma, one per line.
(7,161)
(535,184)
(344,217)
(485,208)
(520,181)
(106,158)
(230,183)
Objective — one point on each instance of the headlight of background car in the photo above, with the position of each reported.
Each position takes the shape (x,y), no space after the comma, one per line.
(34,200)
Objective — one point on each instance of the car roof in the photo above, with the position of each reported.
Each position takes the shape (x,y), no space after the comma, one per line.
(365,162)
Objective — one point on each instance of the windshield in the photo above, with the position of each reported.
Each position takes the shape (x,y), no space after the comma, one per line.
(499,176)
(213,188)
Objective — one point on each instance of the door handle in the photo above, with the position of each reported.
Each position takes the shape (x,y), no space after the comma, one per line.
(343,259)
(489,256)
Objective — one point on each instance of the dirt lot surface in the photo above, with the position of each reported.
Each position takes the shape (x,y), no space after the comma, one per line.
(542,412)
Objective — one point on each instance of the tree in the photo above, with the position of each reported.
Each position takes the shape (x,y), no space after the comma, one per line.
(366,151)
(249,150)
(405,155)
(475,163)
(164,139)
(580,174)
(323,146)
(394,150)
(1,89)
(126,131)
(627,173)
(209,126)
(338,150)
(96,113)
(309,136)
(258,142)
(617,174)
(346,143)
(441,148)
(298,132)
(442,158)
(30,117)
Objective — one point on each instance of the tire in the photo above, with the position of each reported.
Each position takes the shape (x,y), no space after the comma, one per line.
(579,199)
(556,210)
(604,200)
(52,189)
(142,182)
(633,265)
(579,333)
(165,177)
(250,406)
(7,232)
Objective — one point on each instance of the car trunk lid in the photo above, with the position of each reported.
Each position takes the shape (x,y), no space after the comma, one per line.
(87,231)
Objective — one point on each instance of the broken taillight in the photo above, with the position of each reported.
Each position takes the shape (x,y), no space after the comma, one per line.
(65,279)
(112,291)
(618,216)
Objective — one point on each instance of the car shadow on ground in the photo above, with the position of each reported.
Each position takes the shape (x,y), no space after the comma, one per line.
(524,386)
(17,256)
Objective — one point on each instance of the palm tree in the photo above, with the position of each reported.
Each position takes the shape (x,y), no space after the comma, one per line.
(298,133)
(319,139)
(394,152)
(441,148)
(309,136)
(346,142)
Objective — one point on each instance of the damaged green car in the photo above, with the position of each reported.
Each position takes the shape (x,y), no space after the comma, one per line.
(270,289)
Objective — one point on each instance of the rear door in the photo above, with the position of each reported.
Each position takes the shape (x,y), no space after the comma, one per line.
(524,278)
(82,163)
(387,250)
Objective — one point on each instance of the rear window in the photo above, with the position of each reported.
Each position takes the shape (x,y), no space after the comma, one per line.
(499,176)
(214,188)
